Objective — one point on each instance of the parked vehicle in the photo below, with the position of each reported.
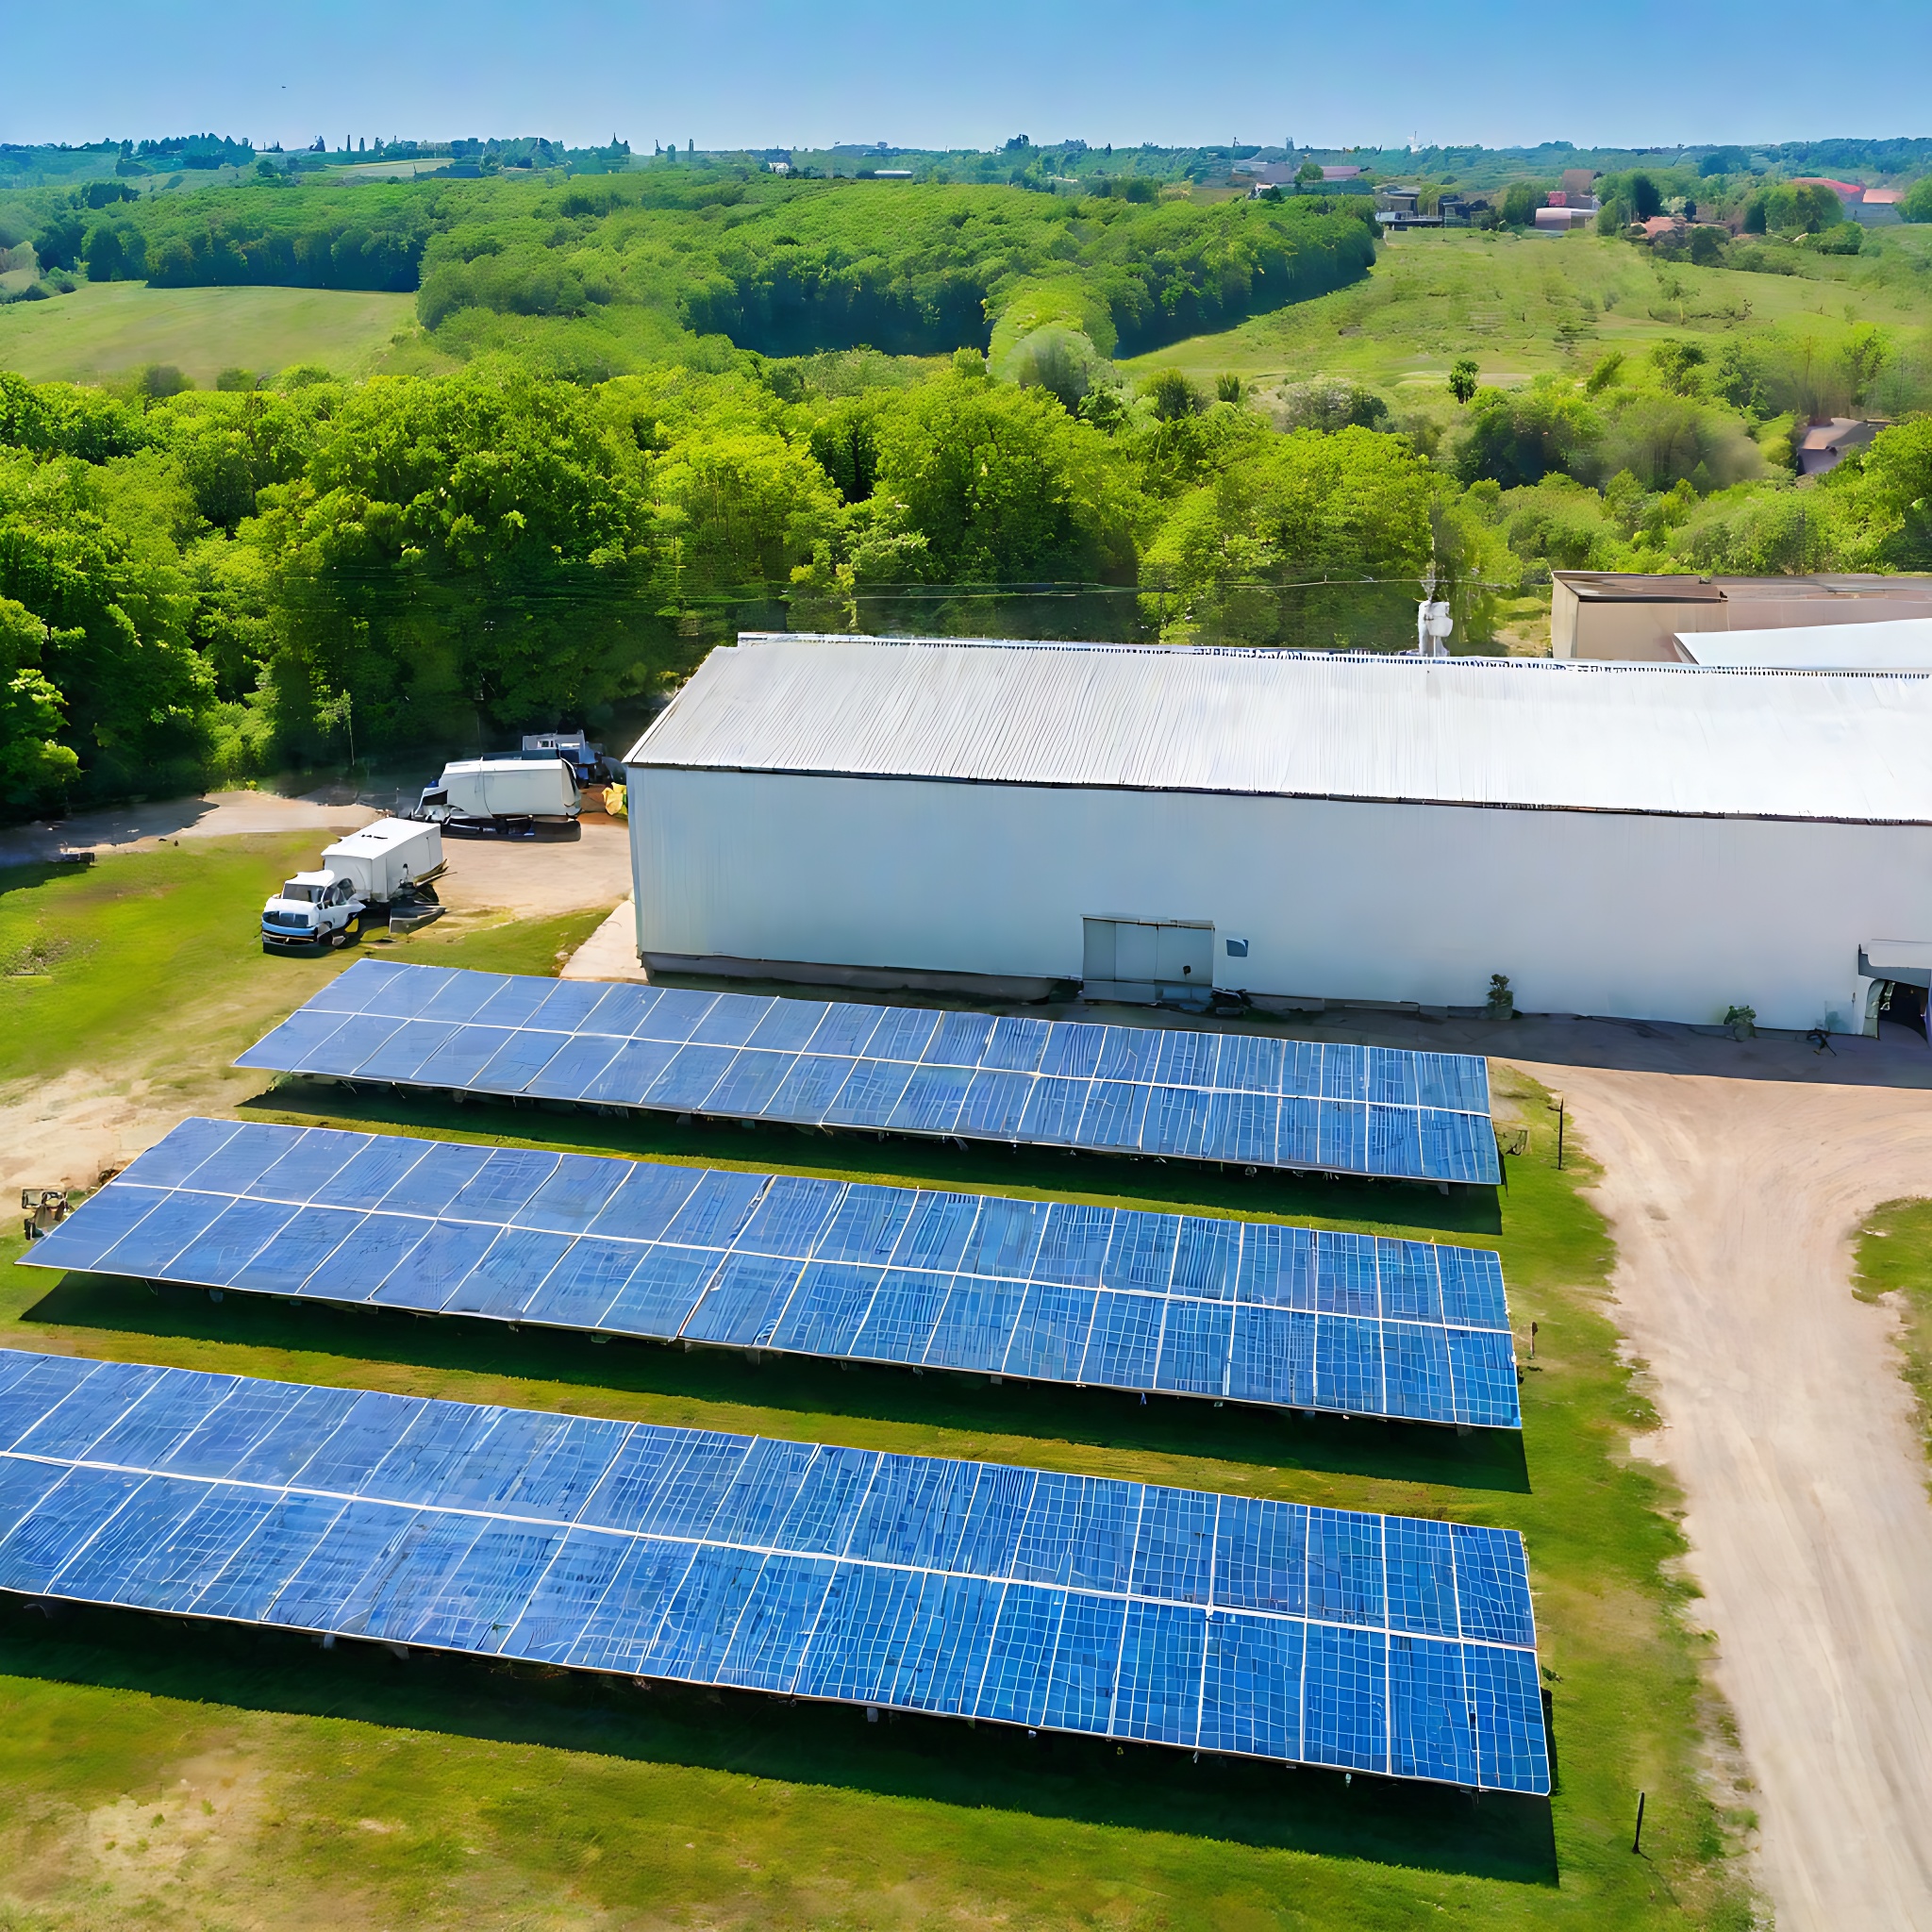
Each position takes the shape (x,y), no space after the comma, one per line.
(382,872)
(502,794)
(586,760)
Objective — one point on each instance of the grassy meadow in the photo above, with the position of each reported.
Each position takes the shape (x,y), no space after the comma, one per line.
(104,329)
(169,1774)
(73,998)
(1520,305)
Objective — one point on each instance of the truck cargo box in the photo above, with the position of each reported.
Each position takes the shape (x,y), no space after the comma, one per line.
(386,857)
(485,792)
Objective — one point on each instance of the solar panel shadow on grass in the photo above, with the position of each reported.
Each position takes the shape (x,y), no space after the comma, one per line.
(1257,1100)
(1053,1291)
(1064,1603)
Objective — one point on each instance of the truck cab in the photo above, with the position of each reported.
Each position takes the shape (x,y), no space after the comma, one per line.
(586,760)
(313,908)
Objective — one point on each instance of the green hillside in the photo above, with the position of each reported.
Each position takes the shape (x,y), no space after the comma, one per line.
(1523,305)
(489,455)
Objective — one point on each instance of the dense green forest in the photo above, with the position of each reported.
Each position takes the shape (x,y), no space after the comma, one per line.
(784,268)
(671,402)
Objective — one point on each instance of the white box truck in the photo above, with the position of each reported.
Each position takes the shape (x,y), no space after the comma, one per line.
(385,869)
(502,794)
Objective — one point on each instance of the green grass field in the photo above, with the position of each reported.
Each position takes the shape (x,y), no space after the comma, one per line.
(68,998)
(1518,305)
(104,329)
(165,1773)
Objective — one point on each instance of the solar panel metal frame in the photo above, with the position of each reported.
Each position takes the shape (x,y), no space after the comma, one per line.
(1209,1308)
(1081,1605)
(1174,1093)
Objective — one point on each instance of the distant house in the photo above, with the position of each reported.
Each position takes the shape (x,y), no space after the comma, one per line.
(1880,204)
(1560,219)
(1659,225)
(1850,192)
(1341,173)
(1564,197)
(1824,445)
(1579,186)
(1401,201)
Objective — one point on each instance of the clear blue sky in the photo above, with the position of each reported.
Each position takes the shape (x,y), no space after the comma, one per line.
(733,73)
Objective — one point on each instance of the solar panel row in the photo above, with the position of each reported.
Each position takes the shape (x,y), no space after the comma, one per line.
(1103,1607)
(1052,1292)
(1261,1101)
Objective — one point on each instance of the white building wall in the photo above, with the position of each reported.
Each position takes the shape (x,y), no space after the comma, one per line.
(1588,912)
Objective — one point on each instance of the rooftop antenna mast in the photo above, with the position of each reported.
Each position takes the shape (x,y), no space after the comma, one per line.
(1433,622)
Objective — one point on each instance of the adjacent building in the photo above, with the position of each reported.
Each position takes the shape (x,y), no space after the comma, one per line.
(1629,617)
(1900,643)
(1652,842)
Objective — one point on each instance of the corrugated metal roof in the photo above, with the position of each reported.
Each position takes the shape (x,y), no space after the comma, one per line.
(1535,733)
(1894,643)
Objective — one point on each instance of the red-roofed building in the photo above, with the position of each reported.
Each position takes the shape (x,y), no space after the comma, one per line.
(1850,192)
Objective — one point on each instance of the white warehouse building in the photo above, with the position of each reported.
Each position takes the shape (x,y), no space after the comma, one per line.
(1649,841)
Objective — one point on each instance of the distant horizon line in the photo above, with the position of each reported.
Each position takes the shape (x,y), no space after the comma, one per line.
(1071,143)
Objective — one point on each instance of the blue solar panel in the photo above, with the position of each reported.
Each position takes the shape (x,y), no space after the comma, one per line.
(1171,1092)
(1055,1292)
(1105,1608)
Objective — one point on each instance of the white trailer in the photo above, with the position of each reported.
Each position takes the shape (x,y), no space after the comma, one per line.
(501,795)
(385,869)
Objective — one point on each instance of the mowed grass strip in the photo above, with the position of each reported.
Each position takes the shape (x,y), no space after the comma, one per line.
(439,1790)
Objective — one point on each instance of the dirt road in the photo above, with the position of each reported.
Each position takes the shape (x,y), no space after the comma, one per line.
(526,879)
(535,878)
(1734,1204)
(216,815)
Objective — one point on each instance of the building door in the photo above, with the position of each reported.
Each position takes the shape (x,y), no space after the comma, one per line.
(1902,969)
(1149,960)
(1902,1005)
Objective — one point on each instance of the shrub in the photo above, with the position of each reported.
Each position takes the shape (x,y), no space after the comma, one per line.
(1330,403)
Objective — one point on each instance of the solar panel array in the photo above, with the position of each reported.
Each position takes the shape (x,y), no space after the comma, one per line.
(1060,1292)
(1261,1101)
(1063,1602)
